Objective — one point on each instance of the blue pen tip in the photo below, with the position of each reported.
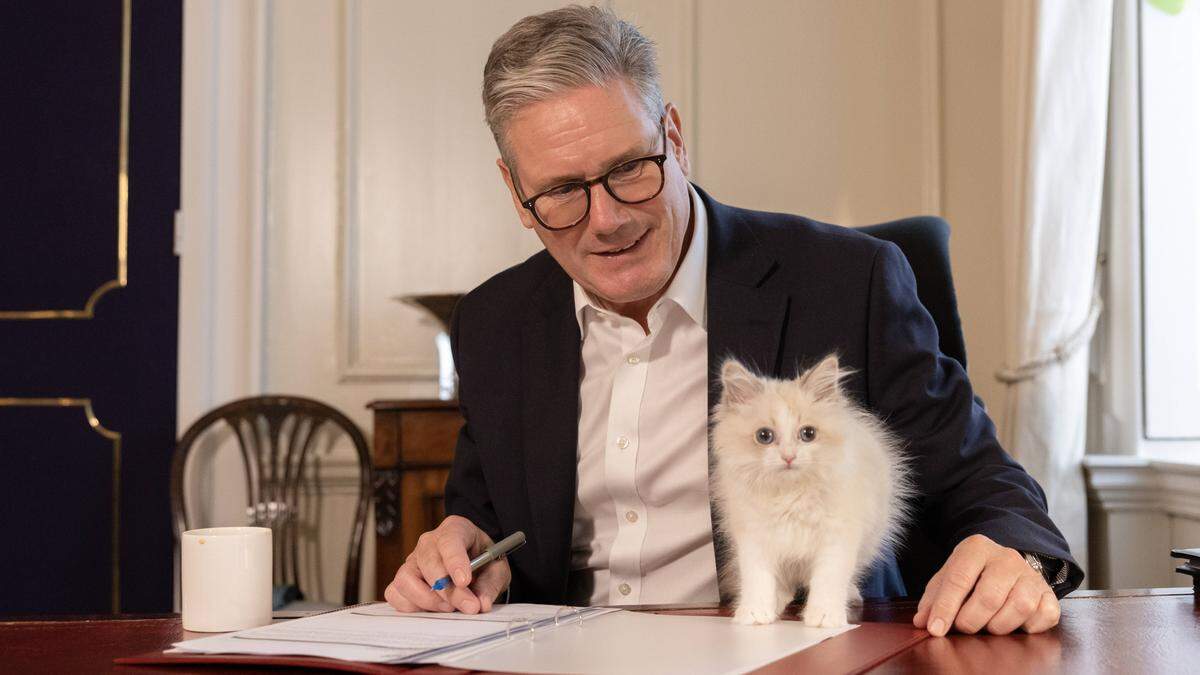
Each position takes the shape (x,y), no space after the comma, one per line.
(439,584)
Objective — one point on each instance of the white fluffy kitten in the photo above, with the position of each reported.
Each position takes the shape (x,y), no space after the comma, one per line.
(809,488)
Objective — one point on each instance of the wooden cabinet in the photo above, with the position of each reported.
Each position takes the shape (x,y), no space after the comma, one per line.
(412,450)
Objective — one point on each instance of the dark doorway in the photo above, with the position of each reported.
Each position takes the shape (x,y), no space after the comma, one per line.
(90,140)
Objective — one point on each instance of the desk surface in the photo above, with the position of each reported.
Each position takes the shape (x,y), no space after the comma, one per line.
(1156,630)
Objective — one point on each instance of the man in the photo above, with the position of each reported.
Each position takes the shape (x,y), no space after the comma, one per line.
(587,371)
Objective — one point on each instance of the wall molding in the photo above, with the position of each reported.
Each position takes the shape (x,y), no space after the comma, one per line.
(1138,510)
(338,475)
(352,365)
(1117,483)
(221,236)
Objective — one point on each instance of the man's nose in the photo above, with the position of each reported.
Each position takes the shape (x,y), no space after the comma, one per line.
(606,214)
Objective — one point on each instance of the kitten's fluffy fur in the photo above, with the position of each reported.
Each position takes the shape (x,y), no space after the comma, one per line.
(817,522)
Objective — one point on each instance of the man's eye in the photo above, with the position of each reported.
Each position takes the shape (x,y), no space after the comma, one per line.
(560,192)
(764,436)
(627,170)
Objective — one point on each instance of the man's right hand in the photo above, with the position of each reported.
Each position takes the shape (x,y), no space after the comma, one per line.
(447,550)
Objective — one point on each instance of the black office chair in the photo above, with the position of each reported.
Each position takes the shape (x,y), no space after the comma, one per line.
(925,242)
(276,436)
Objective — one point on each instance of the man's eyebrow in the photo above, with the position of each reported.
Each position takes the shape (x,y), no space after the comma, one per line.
(632,153)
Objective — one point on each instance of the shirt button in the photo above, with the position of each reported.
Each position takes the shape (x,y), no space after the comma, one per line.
(631,516)
(633,360)
(622,442)
(624,589)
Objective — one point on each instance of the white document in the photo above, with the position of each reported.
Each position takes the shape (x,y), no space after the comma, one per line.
(499,613)
(527,638)
(637,642)
(378,634)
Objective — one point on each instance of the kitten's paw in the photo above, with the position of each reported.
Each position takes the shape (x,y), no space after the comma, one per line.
(750,615)
(819,615)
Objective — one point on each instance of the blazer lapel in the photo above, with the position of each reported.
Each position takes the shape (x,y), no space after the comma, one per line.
(746,318)
(550,419)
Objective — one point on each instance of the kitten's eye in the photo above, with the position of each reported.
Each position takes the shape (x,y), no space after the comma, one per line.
(764,436)
(808,434)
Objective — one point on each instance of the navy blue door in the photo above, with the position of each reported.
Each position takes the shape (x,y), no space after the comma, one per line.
(89,184)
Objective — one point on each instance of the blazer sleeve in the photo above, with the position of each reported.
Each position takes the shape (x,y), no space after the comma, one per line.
(466,490)
(966,483)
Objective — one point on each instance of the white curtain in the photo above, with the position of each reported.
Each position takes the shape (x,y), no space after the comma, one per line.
(1056,76)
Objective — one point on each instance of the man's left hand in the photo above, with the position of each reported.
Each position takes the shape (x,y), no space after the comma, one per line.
(986,585)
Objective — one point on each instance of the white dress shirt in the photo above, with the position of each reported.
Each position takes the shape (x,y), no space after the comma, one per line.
(643,530)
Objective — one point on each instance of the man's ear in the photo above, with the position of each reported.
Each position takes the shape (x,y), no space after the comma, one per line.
(674,124)
(738,385)
(522,212)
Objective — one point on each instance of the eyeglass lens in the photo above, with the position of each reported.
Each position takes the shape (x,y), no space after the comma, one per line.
(632,182)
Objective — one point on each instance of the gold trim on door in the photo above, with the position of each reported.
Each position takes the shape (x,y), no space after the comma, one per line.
(115,438)
(122,279)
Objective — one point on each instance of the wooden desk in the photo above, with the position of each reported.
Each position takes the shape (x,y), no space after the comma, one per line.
(1145,631)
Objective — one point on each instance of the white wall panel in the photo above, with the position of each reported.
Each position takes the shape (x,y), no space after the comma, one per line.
(425,210)
(828,109)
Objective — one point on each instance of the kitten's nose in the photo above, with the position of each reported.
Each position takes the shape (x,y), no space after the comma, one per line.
(789,459)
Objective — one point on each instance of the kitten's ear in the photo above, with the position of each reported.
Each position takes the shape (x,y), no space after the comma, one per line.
(824,380)
(738,384)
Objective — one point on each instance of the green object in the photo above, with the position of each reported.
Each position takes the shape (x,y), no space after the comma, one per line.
(1171,7)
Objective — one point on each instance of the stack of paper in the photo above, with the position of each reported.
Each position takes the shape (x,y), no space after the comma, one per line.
(526,638)
(379,634)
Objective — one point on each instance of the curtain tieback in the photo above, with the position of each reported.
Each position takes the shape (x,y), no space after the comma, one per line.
(1059,354)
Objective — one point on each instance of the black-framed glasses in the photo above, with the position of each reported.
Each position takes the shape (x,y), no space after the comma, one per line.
(632,182)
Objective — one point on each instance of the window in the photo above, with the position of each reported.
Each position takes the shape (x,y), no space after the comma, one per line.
(1144,397)
(1170,184)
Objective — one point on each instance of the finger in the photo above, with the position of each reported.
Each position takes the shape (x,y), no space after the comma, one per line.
(397,600)
(491,581)
(922,615)
(464,600)
(1045,616)
(410,582)
(452,548)
(991,591)
(474,539)
(429,564)
(958,578)
(448,557)
(1019,607)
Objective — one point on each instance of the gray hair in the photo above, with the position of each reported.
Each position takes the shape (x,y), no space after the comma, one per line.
(546,54)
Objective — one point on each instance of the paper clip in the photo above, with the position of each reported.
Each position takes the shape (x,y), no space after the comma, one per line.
(576,612)
(520,622)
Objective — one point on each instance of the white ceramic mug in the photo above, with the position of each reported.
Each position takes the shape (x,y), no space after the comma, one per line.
(226,578)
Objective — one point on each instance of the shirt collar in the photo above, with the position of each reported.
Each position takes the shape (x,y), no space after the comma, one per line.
(688,288)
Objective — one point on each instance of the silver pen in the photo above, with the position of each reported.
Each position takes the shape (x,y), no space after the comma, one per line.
(496,551)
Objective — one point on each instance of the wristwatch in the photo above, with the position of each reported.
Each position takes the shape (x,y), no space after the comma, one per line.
(1053,570)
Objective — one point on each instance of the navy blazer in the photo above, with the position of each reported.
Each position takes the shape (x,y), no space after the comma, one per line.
(783,292)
